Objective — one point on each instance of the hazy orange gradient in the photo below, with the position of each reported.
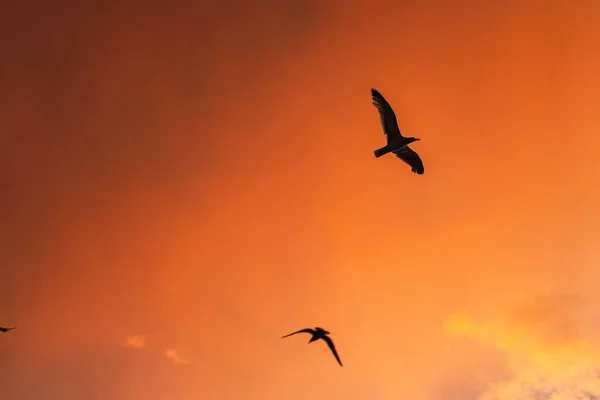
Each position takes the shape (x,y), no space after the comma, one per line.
(202,174)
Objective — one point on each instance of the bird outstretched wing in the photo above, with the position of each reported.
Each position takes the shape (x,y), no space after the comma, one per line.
(410,157)
(387,117)
(307,330)
(332,347)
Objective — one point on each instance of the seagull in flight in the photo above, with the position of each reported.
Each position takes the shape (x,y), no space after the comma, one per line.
(396,143)
(319,333)
(7,329)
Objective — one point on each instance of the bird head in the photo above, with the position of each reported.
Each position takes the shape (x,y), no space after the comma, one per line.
(413,139)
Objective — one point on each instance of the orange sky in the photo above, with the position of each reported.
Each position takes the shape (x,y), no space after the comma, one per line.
(182,184)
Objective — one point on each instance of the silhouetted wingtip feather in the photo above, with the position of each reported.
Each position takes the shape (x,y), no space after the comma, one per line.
(333,350)
(377,97)
(307,330)
(410,157)
(387,117)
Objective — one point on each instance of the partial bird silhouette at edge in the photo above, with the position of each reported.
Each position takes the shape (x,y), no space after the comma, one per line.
(396,143)
(7,329)
(319,333)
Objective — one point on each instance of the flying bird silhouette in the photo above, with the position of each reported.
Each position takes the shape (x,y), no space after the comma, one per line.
(319,333)
(7,329)
(396,143)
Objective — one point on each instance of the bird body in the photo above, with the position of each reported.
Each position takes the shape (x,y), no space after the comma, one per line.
(7,329)
(396,143)
(319,333)
(394,146)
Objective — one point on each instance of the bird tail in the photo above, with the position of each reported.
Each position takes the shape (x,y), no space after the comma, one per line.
(381,152)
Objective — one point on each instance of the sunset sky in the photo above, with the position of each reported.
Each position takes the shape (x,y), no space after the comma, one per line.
(184,182)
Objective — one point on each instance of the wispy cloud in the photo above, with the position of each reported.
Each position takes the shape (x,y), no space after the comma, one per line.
(173,355)
(137,341)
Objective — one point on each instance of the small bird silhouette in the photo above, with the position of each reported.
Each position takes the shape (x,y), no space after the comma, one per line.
(7,329)
(319,333)
(396,143)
